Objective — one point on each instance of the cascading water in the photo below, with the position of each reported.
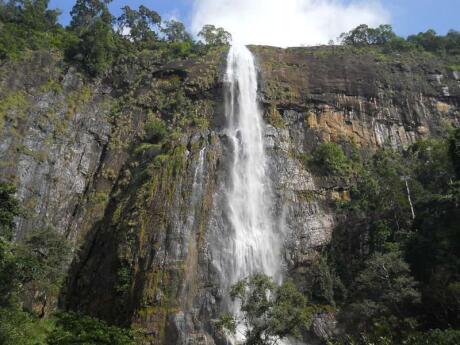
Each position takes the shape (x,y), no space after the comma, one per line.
(253,244)
(198,177)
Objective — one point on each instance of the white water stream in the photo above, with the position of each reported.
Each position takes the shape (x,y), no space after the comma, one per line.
(254,242)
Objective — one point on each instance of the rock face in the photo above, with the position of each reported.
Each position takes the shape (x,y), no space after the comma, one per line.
(143,212)
(54,131)
(371,99)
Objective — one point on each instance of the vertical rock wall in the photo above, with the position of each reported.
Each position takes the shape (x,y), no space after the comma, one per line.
(142,219)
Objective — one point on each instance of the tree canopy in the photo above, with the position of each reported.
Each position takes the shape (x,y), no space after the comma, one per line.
(215,36)
(269,312)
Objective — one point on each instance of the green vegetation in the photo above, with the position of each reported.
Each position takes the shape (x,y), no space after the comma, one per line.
(30,25)
(155,130)
(92,24)
(269,312)
(137,25)
(12,102)
(396,251)
(382,295)
(9,208)
(384,37)
(73,329)
(391,274)
(32,271)
(330,159)
(29,271)
(91,41)
(215,36)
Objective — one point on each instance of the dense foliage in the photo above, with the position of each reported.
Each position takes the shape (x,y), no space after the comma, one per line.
(95,40)
(384,36)
(269,312)
(32,270)
(30,25)
(396,250)
(73,329)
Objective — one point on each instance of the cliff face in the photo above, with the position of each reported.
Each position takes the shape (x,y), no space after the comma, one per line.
(54,130)
(373,99)
(146,211)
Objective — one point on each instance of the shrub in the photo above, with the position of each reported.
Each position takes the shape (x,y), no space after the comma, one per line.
(440,337)
(155,130)
(331,160)
(72,329)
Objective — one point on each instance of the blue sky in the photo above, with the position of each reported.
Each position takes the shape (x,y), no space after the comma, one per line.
(167,8)
(406,16)
(413,16)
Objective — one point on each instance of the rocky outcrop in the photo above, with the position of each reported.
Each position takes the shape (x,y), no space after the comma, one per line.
(54,131)
(145,212)
(372,99)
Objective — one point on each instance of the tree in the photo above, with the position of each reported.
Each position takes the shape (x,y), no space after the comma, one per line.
(215,36)
(428,40)
(452,42)
(174,31)
(32,14)
(382,34)
(384,294)
(319,283)
(269,312)
(364,35)
(438,337)
(18,327)
(139,25)
(47,254)
(29,24)
(434,254)
(85,12)
(432,165)
(92,22)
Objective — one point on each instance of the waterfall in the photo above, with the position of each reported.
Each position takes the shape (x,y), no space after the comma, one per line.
(253,244)
(198,177)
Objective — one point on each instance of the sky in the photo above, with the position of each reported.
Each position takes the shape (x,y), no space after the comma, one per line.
(296,22)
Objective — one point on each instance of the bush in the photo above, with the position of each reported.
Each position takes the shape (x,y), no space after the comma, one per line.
(72,329)
(9,208)
(331,160)
(155,130)
(436,337)
(22,328)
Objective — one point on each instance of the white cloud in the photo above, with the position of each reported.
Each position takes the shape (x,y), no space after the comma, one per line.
(287,23)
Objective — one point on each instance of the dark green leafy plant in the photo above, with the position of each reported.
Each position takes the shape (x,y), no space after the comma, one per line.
(384,293)
(269,312)
(331,160)
(9,208)
(437,336)
(73,329)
